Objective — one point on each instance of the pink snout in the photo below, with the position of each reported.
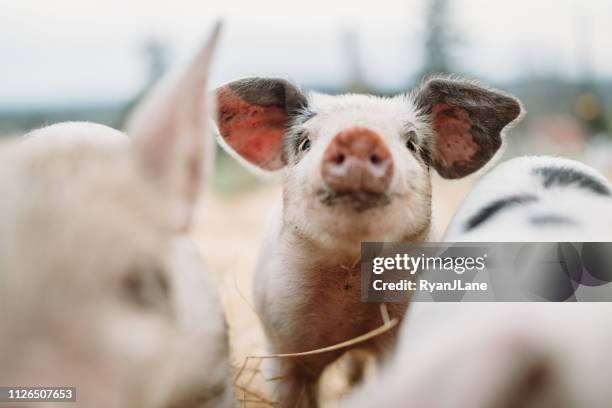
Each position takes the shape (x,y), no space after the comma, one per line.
(357,160)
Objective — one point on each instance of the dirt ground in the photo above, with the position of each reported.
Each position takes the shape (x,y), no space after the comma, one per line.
(228,232)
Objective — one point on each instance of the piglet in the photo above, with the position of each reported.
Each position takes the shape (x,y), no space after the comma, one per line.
(355,168)
(100,288)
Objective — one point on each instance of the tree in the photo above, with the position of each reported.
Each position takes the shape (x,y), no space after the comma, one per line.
(155,55)
(351,46)
(439,39)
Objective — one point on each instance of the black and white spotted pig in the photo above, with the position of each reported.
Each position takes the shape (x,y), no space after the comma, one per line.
(536,199)
(356,168)
(492,355)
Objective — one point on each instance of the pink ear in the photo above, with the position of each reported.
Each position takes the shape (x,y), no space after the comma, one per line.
(253,116)
(467,120)
(254,132)
(455,144)
(170,129)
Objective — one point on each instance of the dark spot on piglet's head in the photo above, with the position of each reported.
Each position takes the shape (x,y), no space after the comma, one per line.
(493,208)
(568,176)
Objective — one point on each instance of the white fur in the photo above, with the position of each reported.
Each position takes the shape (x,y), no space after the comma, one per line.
(409,187)
(310,250)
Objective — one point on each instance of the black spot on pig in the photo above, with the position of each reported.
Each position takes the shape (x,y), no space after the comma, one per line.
(495,207)
(566,176)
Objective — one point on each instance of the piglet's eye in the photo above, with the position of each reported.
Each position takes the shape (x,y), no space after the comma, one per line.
(305,145)
(146,287)
(411,145)
(410,141)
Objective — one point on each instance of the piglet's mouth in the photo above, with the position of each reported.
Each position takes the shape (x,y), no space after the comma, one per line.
(359,201)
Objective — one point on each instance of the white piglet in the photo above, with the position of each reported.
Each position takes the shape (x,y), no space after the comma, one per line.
(494,355)
(100,287)
(355,168)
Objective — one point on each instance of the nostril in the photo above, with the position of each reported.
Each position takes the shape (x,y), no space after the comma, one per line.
(338,159)
(375,159)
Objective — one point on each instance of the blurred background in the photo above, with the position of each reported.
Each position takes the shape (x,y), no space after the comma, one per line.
(93,60)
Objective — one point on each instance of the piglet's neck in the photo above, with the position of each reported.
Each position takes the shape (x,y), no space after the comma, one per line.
(330,254)
(323,252)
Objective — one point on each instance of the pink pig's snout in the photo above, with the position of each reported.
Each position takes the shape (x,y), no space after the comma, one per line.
(357,160)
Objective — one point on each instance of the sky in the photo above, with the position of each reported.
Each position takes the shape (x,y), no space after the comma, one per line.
(63,52)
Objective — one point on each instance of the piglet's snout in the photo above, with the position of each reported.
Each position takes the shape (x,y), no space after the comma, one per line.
(357,160)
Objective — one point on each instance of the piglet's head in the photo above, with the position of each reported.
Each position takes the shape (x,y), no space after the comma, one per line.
(357,167)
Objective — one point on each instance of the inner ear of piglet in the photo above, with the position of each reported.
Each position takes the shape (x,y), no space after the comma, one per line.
(253,116)
(467,121)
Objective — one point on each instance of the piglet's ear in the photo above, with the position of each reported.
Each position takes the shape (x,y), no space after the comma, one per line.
(170,129)
(253,115)
(467,120)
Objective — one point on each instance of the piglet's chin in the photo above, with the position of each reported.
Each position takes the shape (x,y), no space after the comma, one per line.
(358,201)
(349,219)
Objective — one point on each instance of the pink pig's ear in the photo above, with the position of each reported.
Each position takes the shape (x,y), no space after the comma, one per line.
(171,132)
(467,120)
(253,115)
